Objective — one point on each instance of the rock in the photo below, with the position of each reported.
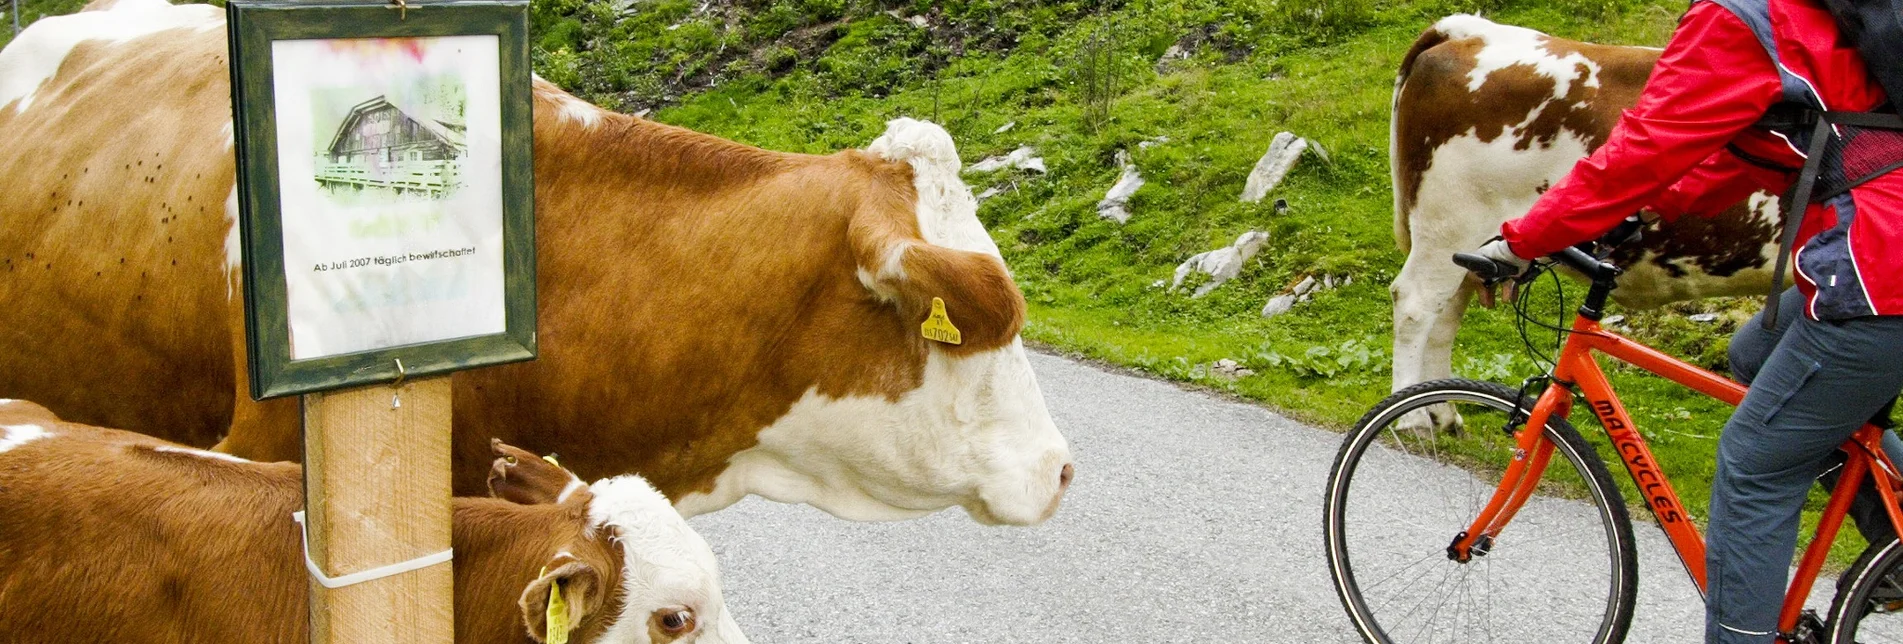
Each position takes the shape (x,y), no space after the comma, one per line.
(1023,158)
(1229,369)
(1222,264)
(1316,147)
(919,21)
(1611,320)
(1150,143)
(1116,202)
(1702,317)
(1278,305)
(1302,291)
(990,192)
(1281,206)
(1283,152)
(1306,286)
(1176,53)
(1005,128)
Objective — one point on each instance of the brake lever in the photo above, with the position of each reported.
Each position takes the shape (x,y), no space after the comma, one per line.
(1628,231)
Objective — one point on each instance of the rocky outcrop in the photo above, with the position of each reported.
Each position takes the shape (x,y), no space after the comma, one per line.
(1222,264)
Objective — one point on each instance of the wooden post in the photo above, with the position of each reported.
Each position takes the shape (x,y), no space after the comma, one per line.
(377,488)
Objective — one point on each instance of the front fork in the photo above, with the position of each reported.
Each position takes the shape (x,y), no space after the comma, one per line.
(1531,452)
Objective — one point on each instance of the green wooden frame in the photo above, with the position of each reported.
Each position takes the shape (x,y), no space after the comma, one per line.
(252,26)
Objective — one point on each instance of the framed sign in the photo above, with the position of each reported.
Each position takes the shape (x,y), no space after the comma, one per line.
(385,188)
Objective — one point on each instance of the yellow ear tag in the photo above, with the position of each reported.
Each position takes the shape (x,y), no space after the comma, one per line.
(558,625)
(551,460)
(939,327)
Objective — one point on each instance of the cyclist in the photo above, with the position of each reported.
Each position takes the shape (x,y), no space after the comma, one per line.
(1690,146)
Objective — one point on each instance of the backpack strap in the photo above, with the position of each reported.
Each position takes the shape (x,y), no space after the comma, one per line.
(1794,206)
(1756,15)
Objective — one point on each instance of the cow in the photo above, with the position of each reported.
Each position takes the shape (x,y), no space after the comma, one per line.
(721,319)
(1485,118)
(113,536)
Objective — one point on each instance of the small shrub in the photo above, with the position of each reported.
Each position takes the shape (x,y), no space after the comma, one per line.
(1100,71)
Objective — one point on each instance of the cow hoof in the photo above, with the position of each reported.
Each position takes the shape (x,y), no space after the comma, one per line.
(1434,419)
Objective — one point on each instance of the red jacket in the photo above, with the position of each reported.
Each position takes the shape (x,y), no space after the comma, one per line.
(1668,154)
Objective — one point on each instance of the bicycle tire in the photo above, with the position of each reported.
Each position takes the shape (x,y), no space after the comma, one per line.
(1871,586)
(1423,546)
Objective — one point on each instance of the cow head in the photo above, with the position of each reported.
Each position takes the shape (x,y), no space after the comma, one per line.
(966,425)
(637,573)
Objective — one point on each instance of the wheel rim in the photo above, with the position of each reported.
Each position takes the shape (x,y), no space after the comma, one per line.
(1398,498)
(1877,591)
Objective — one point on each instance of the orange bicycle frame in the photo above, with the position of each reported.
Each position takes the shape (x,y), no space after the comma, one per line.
(1577,368)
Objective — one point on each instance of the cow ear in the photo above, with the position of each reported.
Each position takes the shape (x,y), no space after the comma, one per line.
(521,477)
(963,301)
(567,592)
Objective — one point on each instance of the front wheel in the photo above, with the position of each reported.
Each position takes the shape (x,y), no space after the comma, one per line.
(1869,603)
(1564,570)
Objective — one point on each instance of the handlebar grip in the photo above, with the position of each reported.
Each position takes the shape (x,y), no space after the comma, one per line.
(1488,269)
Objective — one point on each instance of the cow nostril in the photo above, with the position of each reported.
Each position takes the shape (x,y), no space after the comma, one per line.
(1064,476)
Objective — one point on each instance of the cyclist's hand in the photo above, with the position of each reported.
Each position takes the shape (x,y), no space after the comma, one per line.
(1497,250)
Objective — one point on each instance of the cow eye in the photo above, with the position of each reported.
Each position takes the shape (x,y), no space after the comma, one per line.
(510,460)
(677,621)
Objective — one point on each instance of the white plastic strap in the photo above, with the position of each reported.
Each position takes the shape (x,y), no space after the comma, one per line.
(372,574)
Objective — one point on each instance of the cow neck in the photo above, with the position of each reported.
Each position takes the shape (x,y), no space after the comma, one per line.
(625,151)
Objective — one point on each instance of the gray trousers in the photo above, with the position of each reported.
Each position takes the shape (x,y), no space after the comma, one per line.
(1812,385)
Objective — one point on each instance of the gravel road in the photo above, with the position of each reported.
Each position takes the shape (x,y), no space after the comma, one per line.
(1192,519)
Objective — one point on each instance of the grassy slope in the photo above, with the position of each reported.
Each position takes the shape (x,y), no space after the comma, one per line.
(820,75)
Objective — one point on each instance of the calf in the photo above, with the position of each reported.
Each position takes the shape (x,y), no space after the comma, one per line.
(111,536)
(1486,117)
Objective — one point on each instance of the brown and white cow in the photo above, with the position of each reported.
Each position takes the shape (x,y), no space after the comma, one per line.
(721,319)
(111,536)
(1486,117)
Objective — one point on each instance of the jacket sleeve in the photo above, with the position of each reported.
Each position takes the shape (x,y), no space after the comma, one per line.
(1721,180)
(1712,82)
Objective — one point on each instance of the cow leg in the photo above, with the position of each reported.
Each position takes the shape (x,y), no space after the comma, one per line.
(1430,295)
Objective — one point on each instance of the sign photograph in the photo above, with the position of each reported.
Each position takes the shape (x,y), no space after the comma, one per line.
(384,177)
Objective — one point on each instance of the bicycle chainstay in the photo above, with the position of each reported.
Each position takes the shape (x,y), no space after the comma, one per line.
(1809,630)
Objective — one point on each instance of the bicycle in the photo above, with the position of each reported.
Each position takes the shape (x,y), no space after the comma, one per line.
(1525,516)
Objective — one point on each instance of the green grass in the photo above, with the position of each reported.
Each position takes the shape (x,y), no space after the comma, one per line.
(821,75)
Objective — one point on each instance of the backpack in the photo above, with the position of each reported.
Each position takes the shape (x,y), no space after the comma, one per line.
(1842,149)
(1875,27)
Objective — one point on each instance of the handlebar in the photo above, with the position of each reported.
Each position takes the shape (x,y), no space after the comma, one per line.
(1489,270)
(1579,258)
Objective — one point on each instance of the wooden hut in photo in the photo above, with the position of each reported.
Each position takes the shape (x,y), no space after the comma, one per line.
(382,144)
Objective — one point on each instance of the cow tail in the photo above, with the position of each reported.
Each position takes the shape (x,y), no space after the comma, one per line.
(1431,37)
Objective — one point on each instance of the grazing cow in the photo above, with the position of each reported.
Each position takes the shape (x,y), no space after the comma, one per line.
(1486,117)
(722,319)
(112,536)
